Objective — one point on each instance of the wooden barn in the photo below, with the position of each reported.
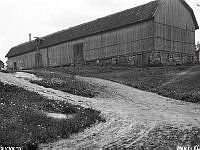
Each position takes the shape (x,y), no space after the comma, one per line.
(159,32)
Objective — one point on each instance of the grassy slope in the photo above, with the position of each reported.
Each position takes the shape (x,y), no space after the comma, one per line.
(178,82)
(66,83)
(23,123)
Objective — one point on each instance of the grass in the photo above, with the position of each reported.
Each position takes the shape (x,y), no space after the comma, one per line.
(7,71)
(24,124)
(66,83)
(177,82)
(167,137)
(30,126)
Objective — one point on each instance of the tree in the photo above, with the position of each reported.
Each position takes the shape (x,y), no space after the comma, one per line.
(1,64)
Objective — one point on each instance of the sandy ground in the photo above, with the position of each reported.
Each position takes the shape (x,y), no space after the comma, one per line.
(130,114)
(26,76)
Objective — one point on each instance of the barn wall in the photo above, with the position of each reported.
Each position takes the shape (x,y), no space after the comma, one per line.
(61,54)
(127,45)
(135,39)
(129,40)
(174,32)
(173,12)
(25,61)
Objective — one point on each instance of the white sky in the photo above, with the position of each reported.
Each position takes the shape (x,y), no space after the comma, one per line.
(42,17)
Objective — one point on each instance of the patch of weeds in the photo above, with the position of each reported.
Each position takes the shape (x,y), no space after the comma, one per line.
(24,124)
(171,81)
(66,83)
(7,71)
(168,137)
(73,86)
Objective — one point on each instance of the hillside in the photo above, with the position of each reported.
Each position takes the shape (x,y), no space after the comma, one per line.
(134,119)
(177,82)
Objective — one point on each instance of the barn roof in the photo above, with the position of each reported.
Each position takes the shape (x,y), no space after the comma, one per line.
(114,21)
(111,22)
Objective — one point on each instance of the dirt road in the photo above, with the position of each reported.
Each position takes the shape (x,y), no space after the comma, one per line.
(131,115)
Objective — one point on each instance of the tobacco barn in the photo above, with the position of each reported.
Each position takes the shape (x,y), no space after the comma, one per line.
(159,32)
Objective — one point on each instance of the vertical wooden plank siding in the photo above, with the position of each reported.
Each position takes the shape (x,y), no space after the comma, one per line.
(25,61)
(137,38)
(134,39)
(175,30)
(173,12)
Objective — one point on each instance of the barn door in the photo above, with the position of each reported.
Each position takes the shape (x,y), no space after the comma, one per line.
(38,60)
(78,53)
(139,60)
(15,66)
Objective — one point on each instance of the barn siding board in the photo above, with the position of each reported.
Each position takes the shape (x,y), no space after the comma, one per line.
(25,61)
(118,42)
(174,34)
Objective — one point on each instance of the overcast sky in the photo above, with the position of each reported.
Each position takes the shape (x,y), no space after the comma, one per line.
(42,17)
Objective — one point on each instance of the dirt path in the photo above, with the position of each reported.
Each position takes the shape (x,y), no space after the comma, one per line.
(131,114)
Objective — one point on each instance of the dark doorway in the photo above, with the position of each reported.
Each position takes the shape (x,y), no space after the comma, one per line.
(15,66)
(78,53)
(139,60)
(38,60)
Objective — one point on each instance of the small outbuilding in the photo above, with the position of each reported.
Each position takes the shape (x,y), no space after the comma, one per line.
(159,32)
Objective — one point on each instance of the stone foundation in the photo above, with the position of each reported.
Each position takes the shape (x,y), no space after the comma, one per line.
(146,59)
(170,58)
